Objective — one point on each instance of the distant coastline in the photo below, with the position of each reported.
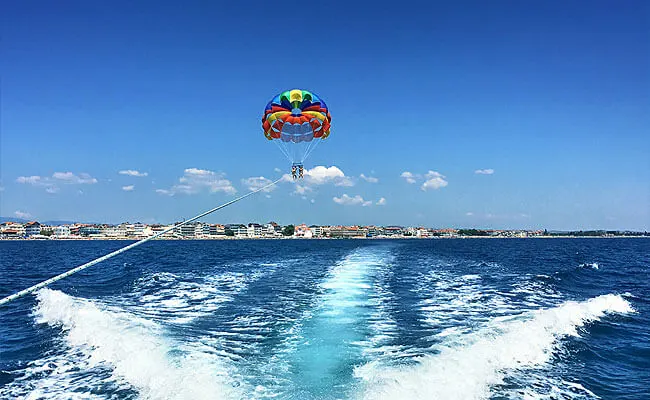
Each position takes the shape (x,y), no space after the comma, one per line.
(34,230)
(127,239)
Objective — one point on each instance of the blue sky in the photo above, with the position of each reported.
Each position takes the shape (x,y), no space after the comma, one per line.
(550,102)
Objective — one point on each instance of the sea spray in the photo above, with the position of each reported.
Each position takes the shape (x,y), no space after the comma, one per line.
(135,349)
(468,370)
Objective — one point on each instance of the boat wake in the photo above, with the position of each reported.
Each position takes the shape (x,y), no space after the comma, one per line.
(470,365)
(104,347)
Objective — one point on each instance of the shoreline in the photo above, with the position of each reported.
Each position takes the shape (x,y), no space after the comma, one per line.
(127,239)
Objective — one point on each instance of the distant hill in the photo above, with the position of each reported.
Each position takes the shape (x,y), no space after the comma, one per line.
(57,222)
(13,219)
(22,221)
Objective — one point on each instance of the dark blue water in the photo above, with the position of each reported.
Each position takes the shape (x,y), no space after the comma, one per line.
(329,319)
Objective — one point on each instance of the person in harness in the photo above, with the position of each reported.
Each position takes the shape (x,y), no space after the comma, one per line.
(293,171)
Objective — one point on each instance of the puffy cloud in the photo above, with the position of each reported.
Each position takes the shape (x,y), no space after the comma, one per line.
(196,180)
(70,178)
(410,177)
(488,171)
(22,215)
(319,175)
(50,183)
(352,201)
(258,182)
(32,180)
(302,189)
(381,202)
(433,180)
(128,188)
(369,179)
(132,172)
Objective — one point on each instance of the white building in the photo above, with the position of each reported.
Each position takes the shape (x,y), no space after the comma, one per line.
(317,231)
(189,230)
(254,230)
(141,230)
(422,233)
(32,228)
(62,231)
(303,231)
(12,230)
(213,230)
(271,230)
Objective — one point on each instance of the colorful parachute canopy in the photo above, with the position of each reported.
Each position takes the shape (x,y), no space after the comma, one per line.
(296,119)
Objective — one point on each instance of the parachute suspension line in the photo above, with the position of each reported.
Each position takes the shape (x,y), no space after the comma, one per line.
(283,150)
(123,249)
(307,151)
(311,149)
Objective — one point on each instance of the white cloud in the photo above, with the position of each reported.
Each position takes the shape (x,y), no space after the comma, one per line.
(50,184)
(132,172)
(195,180)
(258,182)
(70,178)
(319,175)
(381,202)
(312,201)
(22,215)
(276,169)
(302,189)
(410,177)
(370,179)
(32,180)
(128,188)
(352,201)
(488,171)
(433,180)
(469,214)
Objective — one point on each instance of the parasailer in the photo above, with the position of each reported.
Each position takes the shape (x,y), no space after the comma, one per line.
(296,120)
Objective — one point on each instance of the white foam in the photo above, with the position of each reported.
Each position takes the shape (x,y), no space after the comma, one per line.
(134,350)
(468,368)
(182,298)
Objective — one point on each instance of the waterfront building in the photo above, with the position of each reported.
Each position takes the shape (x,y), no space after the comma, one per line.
(62,231)
(422,232)
(302,231)
(393,231)
(347,231)
(32,228)
(12,230)
(317,231)
(188,231)
(254,230)
(89,231)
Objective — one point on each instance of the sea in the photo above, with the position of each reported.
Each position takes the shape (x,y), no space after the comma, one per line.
(329,319)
